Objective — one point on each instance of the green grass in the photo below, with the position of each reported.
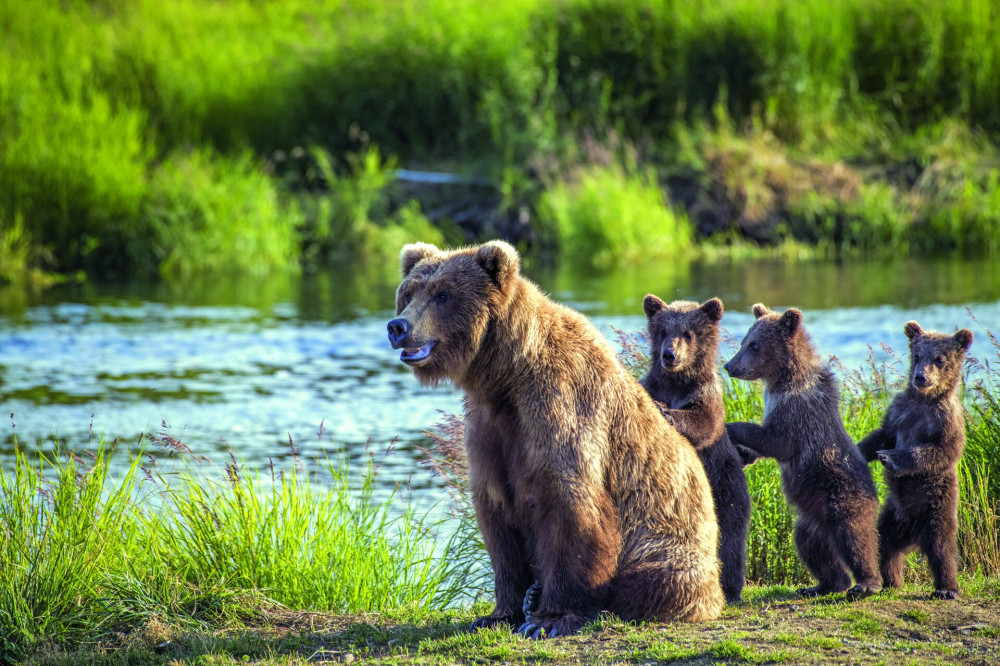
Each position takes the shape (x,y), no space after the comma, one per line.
(85,553)
(138,136)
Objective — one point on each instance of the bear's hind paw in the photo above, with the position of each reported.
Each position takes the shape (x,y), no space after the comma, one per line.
(944,594)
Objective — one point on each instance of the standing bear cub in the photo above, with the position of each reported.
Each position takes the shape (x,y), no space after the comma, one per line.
(683,376)
(822,473)
(919,444)
(577,480)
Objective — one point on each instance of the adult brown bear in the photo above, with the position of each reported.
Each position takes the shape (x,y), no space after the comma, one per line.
(577,480)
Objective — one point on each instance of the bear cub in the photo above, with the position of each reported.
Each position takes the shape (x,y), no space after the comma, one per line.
(685,379)
(822,473)
(919,444)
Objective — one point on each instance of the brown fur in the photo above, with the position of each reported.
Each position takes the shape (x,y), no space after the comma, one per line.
(684,377)
(919,444)
(822,473)
(577,480)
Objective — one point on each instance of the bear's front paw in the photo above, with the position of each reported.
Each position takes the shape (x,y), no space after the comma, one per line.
(747,456)
(552,626)
(488,621)
(944,594)
(886,458)
(530,603)
(860,591)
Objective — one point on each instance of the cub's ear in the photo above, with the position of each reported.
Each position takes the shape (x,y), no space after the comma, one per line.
(759,310)
(713,308)
(791,319)
(500,261)
(912,330)
(412,254)
(964,338)
(652,304)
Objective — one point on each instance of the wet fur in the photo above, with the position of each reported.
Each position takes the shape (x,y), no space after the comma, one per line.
(577,480)
(822,473)
(684,377)
(919,444)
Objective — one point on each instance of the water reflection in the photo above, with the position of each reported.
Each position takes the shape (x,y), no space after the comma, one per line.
(252,363)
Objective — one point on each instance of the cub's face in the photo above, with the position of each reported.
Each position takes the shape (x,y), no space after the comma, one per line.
(765,350)
(682,332)
(444,303)
(936,359)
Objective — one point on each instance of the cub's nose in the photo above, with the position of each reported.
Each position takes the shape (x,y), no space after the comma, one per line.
(669,356)
(727,367)
(399,329)
(919,379)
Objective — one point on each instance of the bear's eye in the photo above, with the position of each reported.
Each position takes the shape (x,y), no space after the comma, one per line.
(442,297)
(939,361)
(916,359)
(754,346)
(688,335)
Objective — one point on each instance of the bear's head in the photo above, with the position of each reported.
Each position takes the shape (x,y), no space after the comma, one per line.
(776,347)
(684,335)
(936,359)
(444,304)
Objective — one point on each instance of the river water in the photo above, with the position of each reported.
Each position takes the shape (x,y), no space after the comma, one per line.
(250,364)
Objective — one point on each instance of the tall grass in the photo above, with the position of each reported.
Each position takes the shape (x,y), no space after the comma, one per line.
(102,103)
(84,553)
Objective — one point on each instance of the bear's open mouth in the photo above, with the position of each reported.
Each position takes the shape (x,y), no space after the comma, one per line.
(414,354)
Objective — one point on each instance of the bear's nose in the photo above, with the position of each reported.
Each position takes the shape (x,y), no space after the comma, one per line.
(669,356)
(728,369)
(399,329)
(919,379)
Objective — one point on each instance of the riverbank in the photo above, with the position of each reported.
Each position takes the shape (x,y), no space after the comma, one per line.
(266,137)
(772,625)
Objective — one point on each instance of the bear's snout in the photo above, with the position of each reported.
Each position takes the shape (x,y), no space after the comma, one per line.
(399,329)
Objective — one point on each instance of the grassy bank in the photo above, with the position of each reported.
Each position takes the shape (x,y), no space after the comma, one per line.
(773,625)
(262,136)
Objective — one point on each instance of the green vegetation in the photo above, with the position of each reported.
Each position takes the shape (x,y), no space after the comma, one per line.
(85,554)
(138,136)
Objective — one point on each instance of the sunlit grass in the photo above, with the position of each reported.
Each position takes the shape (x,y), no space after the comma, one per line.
(855,128)
(84,551)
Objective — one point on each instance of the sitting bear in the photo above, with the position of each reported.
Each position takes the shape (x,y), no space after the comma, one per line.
(822,473)
(919,444)
(577,480)
(683,377)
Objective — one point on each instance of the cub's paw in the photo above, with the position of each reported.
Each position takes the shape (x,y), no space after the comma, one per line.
(530,604)
(886,458)
(552,626)
(665,411)
(861,591)
(488,621)
(944,594)
(817,591)
(747,456)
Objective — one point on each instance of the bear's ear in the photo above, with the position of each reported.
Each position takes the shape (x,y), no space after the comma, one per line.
(791,319)
(412,254)
(713,308)
(759,310)
(912,329)
(652,304)
(964,338)
(500,261)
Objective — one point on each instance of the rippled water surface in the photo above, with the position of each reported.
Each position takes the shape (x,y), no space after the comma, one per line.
(253,363)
